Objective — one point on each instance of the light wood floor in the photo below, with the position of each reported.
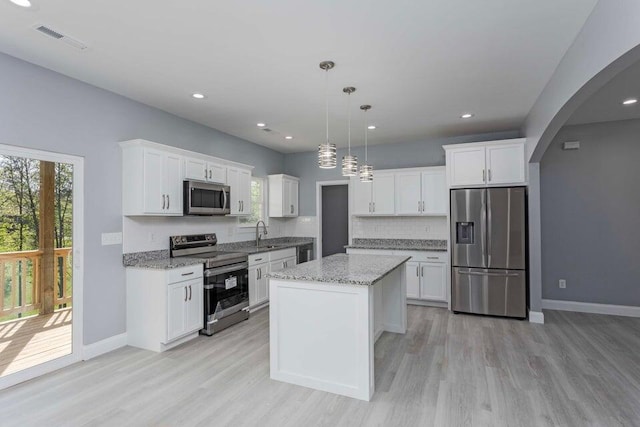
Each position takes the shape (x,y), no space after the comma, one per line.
(33,340)
(448,370)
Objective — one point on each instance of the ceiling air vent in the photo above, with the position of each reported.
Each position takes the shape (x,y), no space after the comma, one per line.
(49,32)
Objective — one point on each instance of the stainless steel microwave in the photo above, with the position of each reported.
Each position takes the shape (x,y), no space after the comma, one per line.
(202,198)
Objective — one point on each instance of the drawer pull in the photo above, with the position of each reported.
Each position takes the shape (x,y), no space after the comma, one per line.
(258,259)
(432,257)
(187,274)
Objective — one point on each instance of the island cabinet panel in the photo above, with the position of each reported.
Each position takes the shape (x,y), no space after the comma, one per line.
(322,335)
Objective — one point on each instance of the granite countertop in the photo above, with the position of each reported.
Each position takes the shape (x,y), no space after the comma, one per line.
(343,269)
(266,245)
(161,260)
(400,244)
(167,263)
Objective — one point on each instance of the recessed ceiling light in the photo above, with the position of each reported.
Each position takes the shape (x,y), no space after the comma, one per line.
(198,96)
(371,127)
(21,3)
(288,137)
(629,101)
(466,116)
(261,125)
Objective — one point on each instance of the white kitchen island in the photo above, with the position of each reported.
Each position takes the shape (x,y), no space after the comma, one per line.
(326,315)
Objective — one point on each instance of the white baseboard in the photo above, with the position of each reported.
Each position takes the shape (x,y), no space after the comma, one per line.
(426,303)
(536,317)
(588,307)
(105,346)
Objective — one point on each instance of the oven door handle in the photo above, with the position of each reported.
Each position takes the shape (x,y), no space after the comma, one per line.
(221,270)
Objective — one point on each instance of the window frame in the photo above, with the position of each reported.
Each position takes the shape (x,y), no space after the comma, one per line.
(265,206)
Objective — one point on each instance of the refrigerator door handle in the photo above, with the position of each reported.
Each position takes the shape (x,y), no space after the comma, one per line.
(489,226)
(483,229)
(477,273)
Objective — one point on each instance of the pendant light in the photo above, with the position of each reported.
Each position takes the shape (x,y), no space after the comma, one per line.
(327,151)
(349,162)
(366,170)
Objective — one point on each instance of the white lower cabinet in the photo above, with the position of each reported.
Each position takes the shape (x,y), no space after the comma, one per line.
(164,307)
(262,264)
(426,272)
(258,284)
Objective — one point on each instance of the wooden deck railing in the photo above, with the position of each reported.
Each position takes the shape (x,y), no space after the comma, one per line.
(20,284)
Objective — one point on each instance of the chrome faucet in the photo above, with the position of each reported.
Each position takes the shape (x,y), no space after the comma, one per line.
(258,235)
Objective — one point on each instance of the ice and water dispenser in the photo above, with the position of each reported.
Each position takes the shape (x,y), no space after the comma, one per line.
(464,233)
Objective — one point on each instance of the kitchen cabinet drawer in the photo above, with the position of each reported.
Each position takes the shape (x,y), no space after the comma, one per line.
(259,258)
(423,256)
(185,273)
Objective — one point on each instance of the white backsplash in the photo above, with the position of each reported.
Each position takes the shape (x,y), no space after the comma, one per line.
(302,226)
(400,228)
(152,233)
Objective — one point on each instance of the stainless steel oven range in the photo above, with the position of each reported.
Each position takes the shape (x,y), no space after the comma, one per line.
(226,280)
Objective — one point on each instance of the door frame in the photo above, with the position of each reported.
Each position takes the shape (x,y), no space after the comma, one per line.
(319,185)
(78,263)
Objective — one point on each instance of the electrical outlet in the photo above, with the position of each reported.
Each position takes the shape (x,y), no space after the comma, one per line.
(562,284)
(152,237)
(427,228)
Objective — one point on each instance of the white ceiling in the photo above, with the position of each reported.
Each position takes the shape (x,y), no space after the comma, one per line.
(606,104)
(419,63)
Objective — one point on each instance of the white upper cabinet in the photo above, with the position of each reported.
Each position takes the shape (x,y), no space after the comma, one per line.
(466,166)
(202,170)
(487,163)
(362,192)
(153,175)
(383,196)
(374,198)
(152,182)
(421,192)
(239,181)
(283,196)
(506,164)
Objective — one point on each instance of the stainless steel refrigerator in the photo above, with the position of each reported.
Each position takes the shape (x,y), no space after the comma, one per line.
(489,258)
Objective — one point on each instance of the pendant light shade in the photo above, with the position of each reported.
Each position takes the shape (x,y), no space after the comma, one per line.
(349,162)
(327,158)
(366,170)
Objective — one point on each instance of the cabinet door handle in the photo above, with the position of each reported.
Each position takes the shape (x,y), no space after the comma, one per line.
(419,206)
(417,271)
(489,175)
(205,173)
(168,201)
(422,272)
(484,175)
(164,201)
(185,294)
(209,173)
(422,206)
(374,206)
(242,205)
(259,273)
(189,292)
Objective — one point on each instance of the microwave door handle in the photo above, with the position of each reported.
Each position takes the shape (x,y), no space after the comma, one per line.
(224,199)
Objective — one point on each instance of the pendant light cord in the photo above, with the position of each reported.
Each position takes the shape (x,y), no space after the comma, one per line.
(366,133)
(349,120)
(326,101)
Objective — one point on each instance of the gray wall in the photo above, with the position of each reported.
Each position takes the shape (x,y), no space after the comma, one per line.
(387,156)
(590,207)
(45,110)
